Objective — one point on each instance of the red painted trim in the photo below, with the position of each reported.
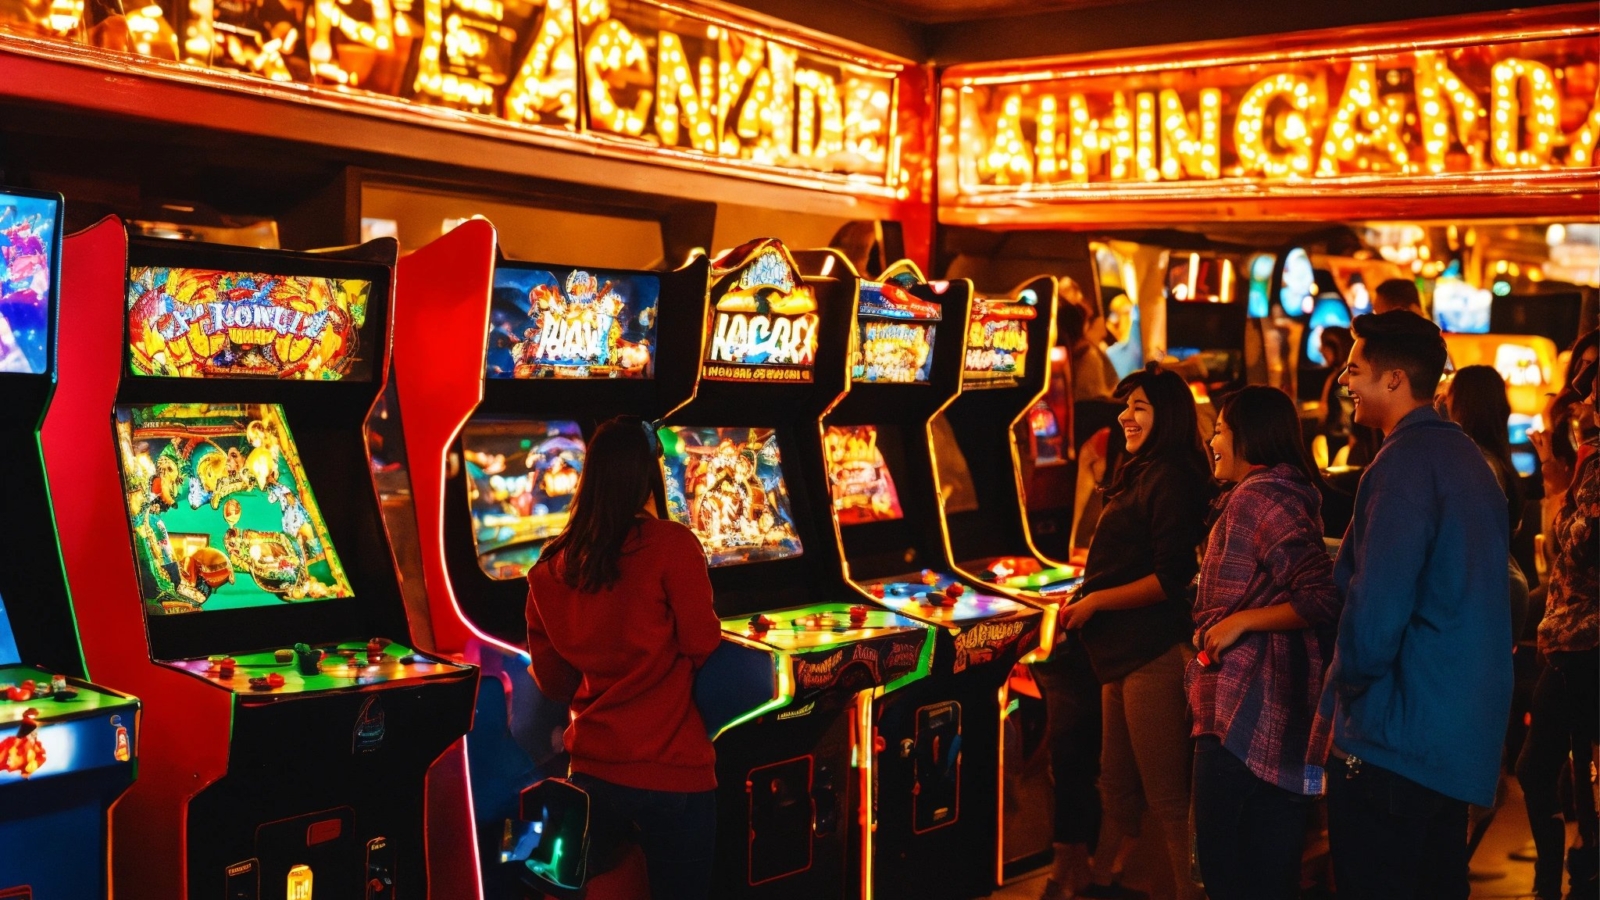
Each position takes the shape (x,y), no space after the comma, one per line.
(441,334)
(184,733)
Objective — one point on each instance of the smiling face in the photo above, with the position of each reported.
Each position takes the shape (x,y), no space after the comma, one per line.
(1371,389)
(1138,420)
(1226,465)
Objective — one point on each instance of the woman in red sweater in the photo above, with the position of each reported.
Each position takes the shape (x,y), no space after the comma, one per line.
(619,619)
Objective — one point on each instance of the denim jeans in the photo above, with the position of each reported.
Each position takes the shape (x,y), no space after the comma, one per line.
(1249,833)
(676,831)
(1393,839)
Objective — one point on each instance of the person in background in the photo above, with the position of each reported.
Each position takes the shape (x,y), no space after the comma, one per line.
(1558,444)
(1476,400)
(638,745)
(1566,702)
(1133,614)
(1084,333)
(1397,293)
(1265,612)
(1420,684)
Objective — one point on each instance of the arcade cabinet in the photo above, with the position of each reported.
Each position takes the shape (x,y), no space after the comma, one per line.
(494,435)
(788,695)
(213,481)
(939,769)
(66,746)
(975,445)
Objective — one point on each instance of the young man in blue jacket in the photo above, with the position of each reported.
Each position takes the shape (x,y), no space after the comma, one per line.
(1420,684)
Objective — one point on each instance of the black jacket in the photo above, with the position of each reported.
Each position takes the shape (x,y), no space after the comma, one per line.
(1152,525)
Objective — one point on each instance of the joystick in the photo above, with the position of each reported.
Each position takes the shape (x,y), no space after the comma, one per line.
(858,616)
(307,659)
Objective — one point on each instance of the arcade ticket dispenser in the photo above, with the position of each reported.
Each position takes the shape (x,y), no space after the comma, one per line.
(212,477)
(938,762)
(494,434)
(66,746)
(788,694)
(978,465)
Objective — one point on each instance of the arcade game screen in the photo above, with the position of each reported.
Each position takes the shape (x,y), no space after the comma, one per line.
(727,485)
(27,233)
(858,478)
(570,323)
(221,514)
(894,336)
(8,641)
(997,343)
(203,323)
(521,478)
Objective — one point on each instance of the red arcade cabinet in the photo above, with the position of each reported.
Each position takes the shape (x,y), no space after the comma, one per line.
(224,539)
(66,746)
(494,434)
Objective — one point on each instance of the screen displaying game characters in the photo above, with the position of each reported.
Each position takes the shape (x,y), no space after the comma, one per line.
(1330,310)
(894,336)
(521,478)
(202,323)
(763,324)
(571,323)
(1461,308)
(858,478)
(221,512)
(997,343)
(27,242)
(727,485)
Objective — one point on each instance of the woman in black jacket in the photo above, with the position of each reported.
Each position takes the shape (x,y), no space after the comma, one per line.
(1134,619)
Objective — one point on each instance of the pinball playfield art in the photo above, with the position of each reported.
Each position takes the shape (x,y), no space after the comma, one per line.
(221,512)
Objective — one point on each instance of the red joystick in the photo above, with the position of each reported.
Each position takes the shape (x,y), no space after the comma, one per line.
(876,591)
(955,590)
(275,680)
(930,577)
(760,624)
(858,615)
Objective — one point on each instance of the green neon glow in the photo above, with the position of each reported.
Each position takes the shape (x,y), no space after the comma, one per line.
(1011,707)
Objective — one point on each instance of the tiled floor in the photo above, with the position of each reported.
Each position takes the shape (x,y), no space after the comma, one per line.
(1496,877)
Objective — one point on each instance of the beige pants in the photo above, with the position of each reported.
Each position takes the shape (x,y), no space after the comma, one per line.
(1146,758)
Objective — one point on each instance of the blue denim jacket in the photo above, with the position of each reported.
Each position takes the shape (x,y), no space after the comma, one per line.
(1421,677)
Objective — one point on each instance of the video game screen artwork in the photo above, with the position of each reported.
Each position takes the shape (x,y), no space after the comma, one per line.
(997,343)
(221,512)
(727,485)
(521,478)
(763,317)
(858,478)
(571,323)
(203,323)
(27,265)
(894,336)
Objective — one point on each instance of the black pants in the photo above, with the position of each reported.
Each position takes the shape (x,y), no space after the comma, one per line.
(1564,719)
(676,831)
(1393,839)
(1072,699)
(1249,833)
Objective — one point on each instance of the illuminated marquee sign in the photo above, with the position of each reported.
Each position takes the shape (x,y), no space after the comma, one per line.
(635,72)
(894,335)
(570,323)
(1312,110)
(200,323)
(997,343)
(763,318)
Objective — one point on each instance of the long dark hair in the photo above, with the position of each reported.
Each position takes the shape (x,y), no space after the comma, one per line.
(1175,433)
(1266,430)
(1476,400)
(619,473)
(1560,435)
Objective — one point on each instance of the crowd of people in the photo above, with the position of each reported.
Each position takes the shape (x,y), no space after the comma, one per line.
(1237,672)
(1219,669)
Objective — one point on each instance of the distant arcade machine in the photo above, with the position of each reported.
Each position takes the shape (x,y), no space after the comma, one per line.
(293,722)
(939,766)
(788,694)
(498,384)
(67,747)
(976,453)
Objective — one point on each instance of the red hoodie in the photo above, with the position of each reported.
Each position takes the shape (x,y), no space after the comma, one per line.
(625,659)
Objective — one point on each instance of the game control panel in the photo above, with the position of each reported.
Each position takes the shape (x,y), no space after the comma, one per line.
(305,667)
(938,596)
(1022,573)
